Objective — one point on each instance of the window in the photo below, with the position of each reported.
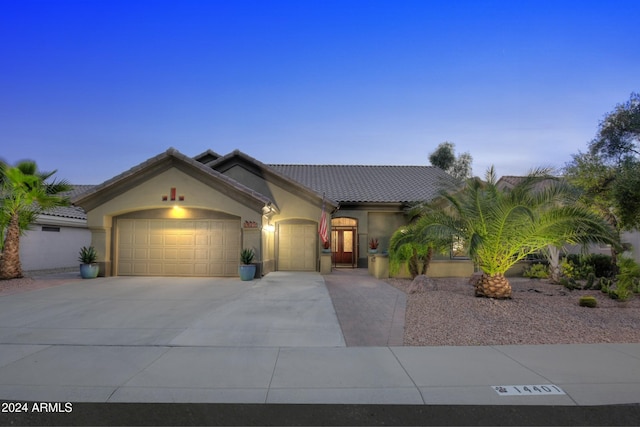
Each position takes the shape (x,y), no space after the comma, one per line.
(458,248)
(50,228)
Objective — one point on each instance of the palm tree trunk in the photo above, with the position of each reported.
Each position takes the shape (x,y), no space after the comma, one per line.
(493,286)
(10,267)
(413,264)
(554,263)
(427,260)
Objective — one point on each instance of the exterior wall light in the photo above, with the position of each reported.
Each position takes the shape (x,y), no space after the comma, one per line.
(269,227)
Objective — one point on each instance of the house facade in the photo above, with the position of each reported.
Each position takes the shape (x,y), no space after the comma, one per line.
(174,215)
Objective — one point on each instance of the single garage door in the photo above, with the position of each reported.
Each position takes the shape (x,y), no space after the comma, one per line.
(175,247)
(297,247)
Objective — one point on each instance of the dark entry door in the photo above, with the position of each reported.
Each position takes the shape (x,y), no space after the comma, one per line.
(342,242)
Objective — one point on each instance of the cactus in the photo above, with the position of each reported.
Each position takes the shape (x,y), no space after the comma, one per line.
(591,278)
(588,301)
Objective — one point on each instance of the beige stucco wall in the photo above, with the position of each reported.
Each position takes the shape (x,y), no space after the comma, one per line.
(382,225)
(291,207)
(379,224)
(148,195)
(443,268)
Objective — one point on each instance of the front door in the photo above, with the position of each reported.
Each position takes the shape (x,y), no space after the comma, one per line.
(342,242)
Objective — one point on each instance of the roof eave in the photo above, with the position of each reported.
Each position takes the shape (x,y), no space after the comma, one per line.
(160,163)
(276,177)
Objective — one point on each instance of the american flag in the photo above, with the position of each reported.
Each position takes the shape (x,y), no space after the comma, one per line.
(322,227)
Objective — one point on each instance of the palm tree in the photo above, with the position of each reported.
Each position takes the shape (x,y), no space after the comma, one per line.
(24,194)
(504,226)
(409,245)
(405,246)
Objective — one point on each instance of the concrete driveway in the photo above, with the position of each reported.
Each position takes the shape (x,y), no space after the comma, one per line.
(280,310)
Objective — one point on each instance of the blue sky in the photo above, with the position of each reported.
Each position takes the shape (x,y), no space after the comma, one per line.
(92,88)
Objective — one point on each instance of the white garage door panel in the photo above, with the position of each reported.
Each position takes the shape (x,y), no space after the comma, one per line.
(158,247)
(297,247)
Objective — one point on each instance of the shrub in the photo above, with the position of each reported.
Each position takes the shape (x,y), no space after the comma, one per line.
(537,271)
(573,268)
(620,293)
(627,279)
(602,264)
(628,271)
(588,301)
(579,266)
(569,283)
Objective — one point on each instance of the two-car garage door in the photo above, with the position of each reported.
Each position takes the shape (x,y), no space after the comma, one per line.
(178,247)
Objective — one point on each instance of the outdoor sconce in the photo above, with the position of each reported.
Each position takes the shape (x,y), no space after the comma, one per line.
(269,227)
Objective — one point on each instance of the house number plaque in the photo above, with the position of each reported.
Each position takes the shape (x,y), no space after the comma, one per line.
(527,390)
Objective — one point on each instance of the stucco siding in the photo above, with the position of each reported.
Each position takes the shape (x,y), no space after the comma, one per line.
(382,225)
(42,250)
(148,195)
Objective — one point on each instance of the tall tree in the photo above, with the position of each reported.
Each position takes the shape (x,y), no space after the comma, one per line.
(503,226)
(608,174)
(25,193)
(618,136)
(444,157)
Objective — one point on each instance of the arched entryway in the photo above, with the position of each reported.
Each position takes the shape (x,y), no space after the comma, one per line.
(344,238)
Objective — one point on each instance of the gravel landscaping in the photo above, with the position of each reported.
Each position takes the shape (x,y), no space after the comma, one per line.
(538,313)
(35,280)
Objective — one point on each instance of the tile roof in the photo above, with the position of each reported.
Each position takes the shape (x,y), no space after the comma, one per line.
(510,181)
(341,183)
(71,211)
(273,172)
(366,183)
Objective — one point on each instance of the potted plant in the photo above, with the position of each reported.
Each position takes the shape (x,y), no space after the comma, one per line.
(373,245)
(326,247)
(247,270)
(89,268)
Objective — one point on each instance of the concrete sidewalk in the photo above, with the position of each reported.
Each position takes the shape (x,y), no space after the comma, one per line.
(274,340)
(588,374)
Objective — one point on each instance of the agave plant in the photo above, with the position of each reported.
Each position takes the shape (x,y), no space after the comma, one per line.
(87,255)
(246,256)
(504,226)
